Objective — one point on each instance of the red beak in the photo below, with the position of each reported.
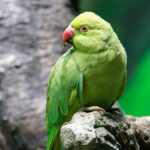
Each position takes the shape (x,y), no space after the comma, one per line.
(68,35)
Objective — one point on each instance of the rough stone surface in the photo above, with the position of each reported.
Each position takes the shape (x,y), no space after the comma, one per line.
(30,43)
(106,131)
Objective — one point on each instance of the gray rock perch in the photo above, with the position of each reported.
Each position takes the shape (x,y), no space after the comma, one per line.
(106,131)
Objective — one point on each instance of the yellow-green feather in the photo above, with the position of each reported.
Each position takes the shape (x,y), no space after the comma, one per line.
(61,91)
(93,72)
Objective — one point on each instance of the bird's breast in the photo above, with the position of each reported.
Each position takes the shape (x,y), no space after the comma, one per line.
(102,79)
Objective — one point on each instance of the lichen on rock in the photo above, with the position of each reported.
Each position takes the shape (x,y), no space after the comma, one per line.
(106,131)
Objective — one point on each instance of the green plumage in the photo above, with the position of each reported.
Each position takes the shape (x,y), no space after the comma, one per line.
(91,73)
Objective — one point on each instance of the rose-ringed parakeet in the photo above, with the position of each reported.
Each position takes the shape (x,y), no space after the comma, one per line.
(91,73)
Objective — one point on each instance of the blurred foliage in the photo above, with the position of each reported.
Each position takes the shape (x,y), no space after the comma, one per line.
(130,19)
(137,93)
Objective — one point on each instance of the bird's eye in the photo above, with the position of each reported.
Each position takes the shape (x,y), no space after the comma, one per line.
(84,29)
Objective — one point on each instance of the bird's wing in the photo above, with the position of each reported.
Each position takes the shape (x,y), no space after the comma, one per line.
(65,85)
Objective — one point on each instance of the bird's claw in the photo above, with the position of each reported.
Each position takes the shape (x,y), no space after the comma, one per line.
(93,108)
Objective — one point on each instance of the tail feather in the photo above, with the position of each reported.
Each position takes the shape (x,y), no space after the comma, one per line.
(51,137)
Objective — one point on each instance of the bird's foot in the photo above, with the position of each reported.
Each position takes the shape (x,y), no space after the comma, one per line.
(93,108)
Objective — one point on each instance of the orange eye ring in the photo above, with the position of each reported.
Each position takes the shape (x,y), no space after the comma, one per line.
(84,29)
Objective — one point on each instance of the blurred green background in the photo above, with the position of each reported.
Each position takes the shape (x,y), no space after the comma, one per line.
(130,19)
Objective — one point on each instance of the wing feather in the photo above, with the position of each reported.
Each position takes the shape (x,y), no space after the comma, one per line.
(63,81)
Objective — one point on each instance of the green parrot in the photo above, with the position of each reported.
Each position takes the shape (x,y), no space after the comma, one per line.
(91,73)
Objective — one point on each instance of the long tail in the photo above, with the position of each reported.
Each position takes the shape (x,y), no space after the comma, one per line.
(51,137)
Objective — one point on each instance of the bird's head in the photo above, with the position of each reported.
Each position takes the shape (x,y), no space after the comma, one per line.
(88,33)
